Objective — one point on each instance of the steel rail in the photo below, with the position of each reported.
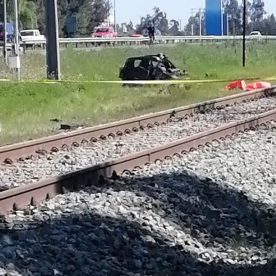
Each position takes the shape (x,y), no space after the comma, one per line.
(34,194)
(26,149)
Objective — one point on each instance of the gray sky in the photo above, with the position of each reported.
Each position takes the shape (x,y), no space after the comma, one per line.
(177,9)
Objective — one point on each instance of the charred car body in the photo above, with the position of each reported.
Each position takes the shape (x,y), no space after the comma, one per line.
(150,67)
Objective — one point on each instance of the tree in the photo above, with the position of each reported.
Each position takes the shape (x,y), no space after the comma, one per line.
(27,14)
(130,27)
(193,26)
(98,12)
(234,13)
(258,11)
(89,13)
(10,11)
(144,21)
(40,12)
(257,15)
(125,29)
(174,29)
(159,19)
(269,26)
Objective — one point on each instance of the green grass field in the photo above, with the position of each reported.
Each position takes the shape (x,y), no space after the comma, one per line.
(26,109)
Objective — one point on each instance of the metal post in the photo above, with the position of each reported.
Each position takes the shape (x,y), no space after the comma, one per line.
(200,22)
(16,40)
(52,40)
(115,27)
(243,40)
(5,31)
(192,29)
(221,22)
(227,24)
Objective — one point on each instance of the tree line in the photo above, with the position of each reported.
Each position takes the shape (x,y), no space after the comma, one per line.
(91,13)
(257,19)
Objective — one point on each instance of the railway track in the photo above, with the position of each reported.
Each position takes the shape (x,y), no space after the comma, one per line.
(11,153)
(34,193)
(206,210)
(70,159)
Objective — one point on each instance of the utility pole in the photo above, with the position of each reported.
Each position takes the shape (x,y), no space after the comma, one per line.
(200,22)
(227,24)
(221,22)
(16,41)
(52,40)
(199,15)
(115,27)
(234,26)
(243,40)
(5,31)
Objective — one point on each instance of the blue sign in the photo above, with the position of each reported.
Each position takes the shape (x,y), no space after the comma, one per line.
(213,17)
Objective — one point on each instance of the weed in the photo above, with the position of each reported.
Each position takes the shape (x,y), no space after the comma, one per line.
(26,109)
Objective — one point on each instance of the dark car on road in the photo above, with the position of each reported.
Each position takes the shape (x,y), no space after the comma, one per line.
(150,67)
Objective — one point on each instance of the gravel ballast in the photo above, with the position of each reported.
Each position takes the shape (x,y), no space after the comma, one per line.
(210,212)
(62,162)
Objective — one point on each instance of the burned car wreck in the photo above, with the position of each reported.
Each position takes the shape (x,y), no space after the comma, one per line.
(151,67)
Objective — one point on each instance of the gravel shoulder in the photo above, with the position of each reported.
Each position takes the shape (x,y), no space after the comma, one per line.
(210,212)
(62,162)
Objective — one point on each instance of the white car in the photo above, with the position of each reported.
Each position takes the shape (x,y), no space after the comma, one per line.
(255,34)
(32,37)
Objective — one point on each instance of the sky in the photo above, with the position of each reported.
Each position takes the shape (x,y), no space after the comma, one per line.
(133,10)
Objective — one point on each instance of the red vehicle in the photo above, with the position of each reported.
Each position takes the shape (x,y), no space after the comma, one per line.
(137,35)
(104,32)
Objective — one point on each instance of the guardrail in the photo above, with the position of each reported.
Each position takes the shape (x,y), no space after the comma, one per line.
(124,41)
